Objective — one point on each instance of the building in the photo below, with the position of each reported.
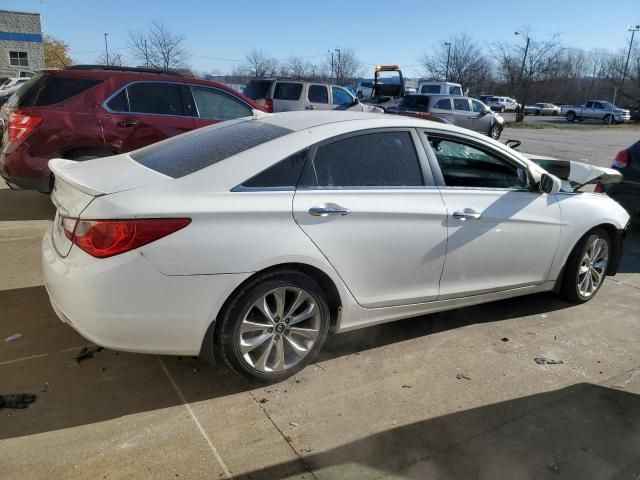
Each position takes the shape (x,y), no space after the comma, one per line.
(21,50)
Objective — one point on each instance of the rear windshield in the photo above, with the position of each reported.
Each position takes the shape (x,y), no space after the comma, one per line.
(430,89)
(44,90)
(415,102)
(193,151)
(257,89)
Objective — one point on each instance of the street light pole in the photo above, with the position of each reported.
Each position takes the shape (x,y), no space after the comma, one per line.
(520,115)
(331,78)
(339,66)
(106,47)
(446,75)
(633,31)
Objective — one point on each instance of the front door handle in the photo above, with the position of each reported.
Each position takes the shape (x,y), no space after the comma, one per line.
(470,213)
(127,123)
(310,107)
(329,209)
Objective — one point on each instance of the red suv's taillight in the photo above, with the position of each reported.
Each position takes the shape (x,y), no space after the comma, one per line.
(20,125)
(105,238)
(621,160)
(268,105)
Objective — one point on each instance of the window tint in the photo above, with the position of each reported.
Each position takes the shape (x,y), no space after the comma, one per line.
(287,91)
(119,103)
(466,166)
(589,104)
(598,105)
(341,96)
(318,94)
(158,98)
(419,103)
(455,91)
(218,105)
(461,104)
(477,106)
(385,159)
(283,174)
(257,89)
(19,59)
(195,150)
(443,104)
(44,90)
(430,89)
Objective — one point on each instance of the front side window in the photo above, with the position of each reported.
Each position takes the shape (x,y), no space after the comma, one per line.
(341,96)
(19,59)
(477,106)
(287,91)
(598,105)
(443,104)
(384,159)
(461,104)
(318,94)
(157,98)
(218,105)
(464,165)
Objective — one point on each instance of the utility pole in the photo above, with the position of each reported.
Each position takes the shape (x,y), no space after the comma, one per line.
(339,66)
(520,115)
(446,75)
(331,78)
(106,47)
(146,53)
(633,31)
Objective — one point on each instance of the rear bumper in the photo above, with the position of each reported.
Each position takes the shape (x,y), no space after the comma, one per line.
(125,303)
(22,171)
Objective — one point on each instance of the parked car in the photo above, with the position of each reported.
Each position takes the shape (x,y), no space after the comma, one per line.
(542,109)
(364,89)
(253,238)
(461,111)
(85,112)
(627,192)
(432,87)
(294,95)
(9,83)
(596,110)
(503,104)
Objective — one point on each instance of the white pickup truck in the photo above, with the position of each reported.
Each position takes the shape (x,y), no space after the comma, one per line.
(607,112)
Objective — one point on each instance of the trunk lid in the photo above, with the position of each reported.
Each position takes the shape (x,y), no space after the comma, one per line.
(77,184)
(577,174)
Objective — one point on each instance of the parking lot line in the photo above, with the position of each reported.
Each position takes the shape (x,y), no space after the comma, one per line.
(7,362)
(212,447)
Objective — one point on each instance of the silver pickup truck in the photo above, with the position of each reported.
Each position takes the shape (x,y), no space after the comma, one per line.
(596,110)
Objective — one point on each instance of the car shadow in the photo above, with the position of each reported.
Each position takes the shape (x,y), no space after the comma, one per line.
(113,384)
(25,205)
(582,431)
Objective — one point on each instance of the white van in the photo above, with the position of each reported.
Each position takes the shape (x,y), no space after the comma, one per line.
(432,87)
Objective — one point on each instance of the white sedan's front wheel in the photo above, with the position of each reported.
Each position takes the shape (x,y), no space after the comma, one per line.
(274,327)
(587,267)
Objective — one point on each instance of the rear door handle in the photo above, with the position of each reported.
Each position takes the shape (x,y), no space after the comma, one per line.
(310,107)
(329,209)
(467,213)
(127,123)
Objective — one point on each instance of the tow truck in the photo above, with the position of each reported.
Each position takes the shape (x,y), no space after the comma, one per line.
(388,86)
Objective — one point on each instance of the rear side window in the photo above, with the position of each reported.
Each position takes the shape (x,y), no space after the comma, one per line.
(455,91)
(283,174)
(430,89)
(384,159)
(44,90)
(193,151)
(287,91)
(318,94)
(119,103)
(218,105)
(257,89)
(443,104)
(158,98)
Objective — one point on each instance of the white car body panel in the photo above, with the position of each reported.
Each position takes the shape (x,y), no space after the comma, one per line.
(163,296)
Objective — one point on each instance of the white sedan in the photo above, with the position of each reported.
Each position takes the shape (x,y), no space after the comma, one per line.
(251,239)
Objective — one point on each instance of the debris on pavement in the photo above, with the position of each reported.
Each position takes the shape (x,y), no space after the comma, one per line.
(45,387)
(547,361)
(462,375)
(86,353)
(504,339)
(263,400)
(405,385)
(294,424)
(17,401)
(14,337)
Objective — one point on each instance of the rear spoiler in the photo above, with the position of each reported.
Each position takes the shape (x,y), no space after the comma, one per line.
(61,167)
(578,174)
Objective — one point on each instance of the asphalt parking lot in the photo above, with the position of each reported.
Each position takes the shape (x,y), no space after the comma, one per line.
(454,395)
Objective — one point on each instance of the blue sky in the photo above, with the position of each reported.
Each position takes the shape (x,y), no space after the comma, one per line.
(223,31)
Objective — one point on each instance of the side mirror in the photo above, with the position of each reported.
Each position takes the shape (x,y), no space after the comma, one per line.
(487,111)
(550,184)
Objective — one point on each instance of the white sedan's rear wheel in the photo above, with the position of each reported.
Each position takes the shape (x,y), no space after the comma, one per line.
(274,327)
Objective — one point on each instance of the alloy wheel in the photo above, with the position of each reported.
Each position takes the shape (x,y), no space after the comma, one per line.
(593,267)
(279,329)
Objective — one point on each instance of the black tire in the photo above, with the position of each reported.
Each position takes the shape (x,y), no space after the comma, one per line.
(609,118)
(571,116)
(495,131)
(227,337)
(537,113)
(569,289)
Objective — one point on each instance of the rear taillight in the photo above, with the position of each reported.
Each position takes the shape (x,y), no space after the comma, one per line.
(105,238)
(268,105)
(621,160)
(598,188)
(20,125)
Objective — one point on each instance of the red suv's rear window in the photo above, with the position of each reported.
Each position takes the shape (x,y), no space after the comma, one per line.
(43,90)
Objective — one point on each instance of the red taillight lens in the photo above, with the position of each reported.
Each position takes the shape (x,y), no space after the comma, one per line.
(621,160)
(598,188)
(20,125)
(105,238)
(268,105)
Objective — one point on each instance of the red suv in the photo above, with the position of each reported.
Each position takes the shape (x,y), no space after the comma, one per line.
(86,112)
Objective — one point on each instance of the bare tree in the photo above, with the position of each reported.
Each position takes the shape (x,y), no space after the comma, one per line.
(115,59)
(159,47)
(458,60)
(299,68)
(258,65)
(346,65)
